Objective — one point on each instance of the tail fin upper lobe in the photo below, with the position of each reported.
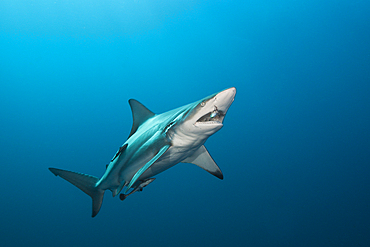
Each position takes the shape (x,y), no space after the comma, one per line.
(84,182)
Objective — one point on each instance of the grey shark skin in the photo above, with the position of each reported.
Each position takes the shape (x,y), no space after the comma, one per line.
(156,143)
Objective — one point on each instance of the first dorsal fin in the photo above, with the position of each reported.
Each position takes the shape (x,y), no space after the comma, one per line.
(139,114)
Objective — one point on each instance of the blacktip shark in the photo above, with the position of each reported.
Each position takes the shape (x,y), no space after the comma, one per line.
(156,143)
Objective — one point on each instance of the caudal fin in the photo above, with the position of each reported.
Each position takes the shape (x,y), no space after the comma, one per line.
(84,182)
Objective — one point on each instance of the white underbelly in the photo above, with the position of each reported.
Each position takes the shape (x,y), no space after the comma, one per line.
(172,157)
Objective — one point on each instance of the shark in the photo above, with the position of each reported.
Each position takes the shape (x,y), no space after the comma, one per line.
(156,143)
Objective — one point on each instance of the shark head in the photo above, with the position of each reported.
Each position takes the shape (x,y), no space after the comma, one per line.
(205,117)
(210,112)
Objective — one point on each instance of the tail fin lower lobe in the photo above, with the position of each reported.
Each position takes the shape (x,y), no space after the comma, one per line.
(84,182)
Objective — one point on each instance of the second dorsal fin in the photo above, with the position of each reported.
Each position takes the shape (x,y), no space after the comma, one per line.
(139,114)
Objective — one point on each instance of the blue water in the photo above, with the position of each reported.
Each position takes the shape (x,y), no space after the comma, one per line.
(294,149)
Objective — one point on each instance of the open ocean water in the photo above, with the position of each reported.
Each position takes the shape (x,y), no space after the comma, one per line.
(294,149)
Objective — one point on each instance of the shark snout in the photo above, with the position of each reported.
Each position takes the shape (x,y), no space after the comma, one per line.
(224,99)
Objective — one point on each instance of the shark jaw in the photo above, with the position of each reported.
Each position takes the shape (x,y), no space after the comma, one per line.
(215,117)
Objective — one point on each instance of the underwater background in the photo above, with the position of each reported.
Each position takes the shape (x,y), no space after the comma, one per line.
(294,149)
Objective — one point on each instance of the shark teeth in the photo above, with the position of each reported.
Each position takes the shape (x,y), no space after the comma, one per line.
(214,117)
(208,122)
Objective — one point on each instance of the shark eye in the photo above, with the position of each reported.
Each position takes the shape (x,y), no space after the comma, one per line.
(203,103)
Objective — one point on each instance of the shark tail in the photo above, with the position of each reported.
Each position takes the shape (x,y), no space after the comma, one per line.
(86,183)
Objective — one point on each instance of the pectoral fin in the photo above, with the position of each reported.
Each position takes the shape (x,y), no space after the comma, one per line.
(146,166)
(203,159)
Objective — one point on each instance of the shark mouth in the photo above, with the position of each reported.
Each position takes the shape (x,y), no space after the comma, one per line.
(213,117)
